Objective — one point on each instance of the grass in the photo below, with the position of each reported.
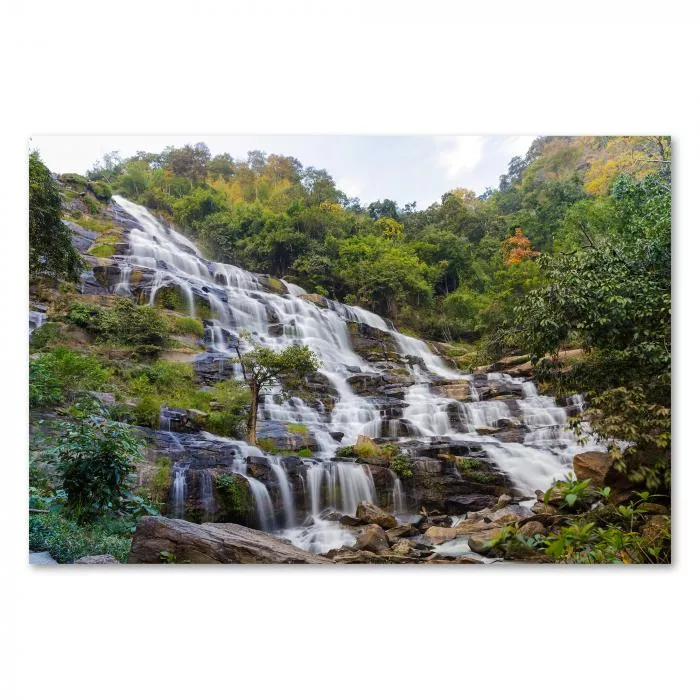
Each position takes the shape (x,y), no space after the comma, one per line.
(186,325)
(298,428)
(102,250)
(92,224)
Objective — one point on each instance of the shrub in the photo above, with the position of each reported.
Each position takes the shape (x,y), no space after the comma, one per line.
(75,180)
(44,335)
(140,327)
(147,412)
(52,374)
(401,464)
(186,325)
(159,484)
(95,457)
(67,541)
(87,316)
(100,189)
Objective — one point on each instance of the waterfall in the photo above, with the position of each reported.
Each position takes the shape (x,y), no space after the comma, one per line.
(398,498)
(285,490)
(242,301)
(179,489)
(206,493)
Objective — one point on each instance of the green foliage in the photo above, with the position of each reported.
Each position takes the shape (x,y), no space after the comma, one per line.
(67,541)
(159,483)
(141,327)
(186,325)
(45,335)
(51,253)
(102,250)
(298,428)
(401,464)
(234,492)
(95,458)
(53,374)
(101,190)
(347,451)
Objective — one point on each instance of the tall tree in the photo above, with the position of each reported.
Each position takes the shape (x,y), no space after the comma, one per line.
(51,253)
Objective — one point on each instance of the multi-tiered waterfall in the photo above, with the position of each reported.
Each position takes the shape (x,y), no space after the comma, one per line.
(420,410)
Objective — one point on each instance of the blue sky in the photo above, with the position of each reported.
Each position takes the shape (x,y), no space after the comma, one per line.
(402,168)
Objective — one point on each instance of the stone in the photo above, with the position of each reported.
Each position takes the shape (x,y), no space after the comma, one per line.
(403,531)
(510,514)
(369,513)
(459,390)
(158,539)
(503,500)
(533,527)
(459,505)
(404,548)
(97,559)
(592,465)
(373,539)
(438,535)
(41,558)
(480,542)
(349,521)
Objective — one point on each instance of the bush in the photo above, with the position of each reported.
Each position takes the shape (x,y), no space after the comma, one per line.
(44,335)
(95,457)
(141,327)
(159,485)
(67,541)
(147,412)
(186,325)
(101,190)
(53,374)
(75,180)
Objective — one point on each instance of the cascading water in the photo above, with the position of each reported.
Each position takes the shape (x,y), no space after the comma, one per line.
(179,490)
(240,301)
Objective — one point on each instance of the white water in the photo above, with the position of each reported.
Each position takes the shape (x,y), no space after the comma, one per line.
(240,301)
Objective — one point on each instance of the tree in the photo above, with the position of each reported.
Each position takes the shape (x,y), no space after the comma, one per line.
(51,253)
(263,368)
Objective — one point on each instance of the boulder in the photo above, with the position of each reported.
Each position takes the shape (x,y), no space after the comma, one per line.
(459,505)
(372,539)
(158,539)
(592,465)
(438,535)
(404,548)
(532,527)
(369,513)
(481,541)
(403,531)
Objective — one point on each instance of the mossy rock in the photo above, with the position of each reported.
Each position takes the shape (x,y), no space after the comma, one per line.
(172,298)
(77,182)
(102,250)
(234,496)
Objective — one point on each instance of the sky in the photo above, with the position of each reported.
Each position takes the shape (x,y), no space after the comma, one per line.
(402,168)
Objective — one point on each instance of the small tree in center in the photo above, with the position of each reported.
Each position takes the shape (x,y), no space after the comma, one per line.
(263,367)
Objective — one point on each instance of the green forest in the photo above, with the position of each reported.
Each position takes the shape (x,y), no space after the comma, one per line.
(563,266)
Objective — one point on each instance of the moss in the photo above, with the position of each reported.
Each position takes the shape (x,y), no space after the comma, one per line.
(276,285)
(347,451)
(267,445)
(298,428)
(202,309)
(135,276)
(76,181)
(147,412)
(159,484)
(102,250)
(92,224)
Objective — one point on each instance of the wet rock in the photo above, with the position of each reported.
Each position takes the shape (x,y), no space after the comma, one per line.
(211,543)
(369,513)
(337,435)
(373,344)
(372,539)
(349,521)
(459,505)
(459,390)
(317,299)
(283,438)
(592,465)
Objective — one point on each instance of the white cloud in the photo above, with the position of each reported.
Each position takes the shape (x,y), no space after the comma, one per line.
(461,154)
(516,145)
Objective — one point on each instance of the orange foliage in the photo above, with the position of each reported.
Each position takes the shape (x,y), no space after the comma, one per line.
(518,248)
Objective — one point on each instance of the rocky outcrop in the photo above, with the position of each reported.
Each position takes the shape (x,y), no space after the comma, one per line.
(97,559)
(373,344)
(162,540)
(592,465)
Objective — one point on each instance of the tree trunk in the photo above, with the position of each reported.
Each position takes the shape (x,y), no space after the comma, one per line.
(253,413)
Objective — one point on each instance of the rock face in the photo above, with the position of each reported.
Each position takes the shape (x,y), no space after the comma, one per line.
(158,540)
(97,559)
(592,465)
